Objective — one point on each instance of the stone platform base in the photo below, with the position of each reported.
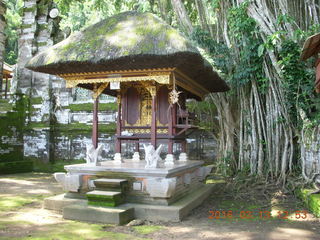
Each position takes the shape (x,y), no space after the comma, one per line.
(78,209)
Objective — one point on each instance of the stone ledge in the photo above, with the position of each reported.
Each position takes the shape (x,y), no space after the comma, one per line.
(115,215)
(174,213)
(58,202)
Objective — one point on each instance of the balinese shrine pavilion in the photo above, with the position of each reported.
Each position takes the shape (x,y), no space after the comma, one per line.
(152,70)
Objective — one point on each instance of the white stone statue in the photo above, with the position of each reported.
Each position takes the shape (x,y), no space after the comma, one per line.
(93,154)
(152,156)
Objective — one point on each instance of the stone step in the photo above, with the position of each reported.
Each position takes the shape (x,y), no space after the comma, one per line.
(116,215)
(111,184)
(104,198)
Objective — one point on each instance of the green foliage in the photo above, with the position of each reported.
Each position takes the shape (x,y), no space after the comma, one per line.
(238,67)
(249,63)
(146,229)
(13,20)
(219,53)
(77,15)
(298,82)
(205,112)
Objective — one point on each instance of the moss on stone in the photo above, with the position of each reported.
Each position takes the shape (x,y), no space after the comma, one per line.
(36,100)
(75,128)
(5,106)
(30,9)
(311,200)
(215,181)
(130,32)
(42,44)
(25,26)
(89,107)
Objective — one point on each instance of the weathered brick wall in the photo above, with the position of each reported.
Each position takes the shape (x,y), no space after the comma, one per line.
(2,38)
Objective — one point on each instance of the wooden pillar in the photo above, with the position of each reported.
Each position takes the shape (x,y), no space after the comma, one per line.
(170,130)
(95,123)
(154,121)
(174,118)
(184,146)
(137,146)
(6,88)
(118,133)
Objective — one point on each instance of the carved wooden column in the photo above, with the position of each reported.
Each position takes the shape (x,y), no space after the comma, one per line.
(170,159)
(118,141)
(95,122)
(170,130)
(6,89)
(95,118)
(154,118)
(117,156)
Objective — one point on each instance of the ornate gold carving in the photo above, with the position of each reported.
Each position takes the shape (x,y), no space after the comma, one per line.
(98,90)
(122,72)
(74,80)
(118,99)
(71,83)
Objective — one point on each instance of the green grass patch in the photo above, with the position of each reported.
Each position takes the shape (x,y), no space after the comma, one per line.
(146,229)
(16,167)
(88,107)
(14,202)
(77,231)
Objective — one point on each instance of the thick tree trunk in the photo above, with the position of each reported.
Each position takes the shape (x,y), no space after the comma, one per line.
(202,14)
(164,7)
(182,16)
(2,39)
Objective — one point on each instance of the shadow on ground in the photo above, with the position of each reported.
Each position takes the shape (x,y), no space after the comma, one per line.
(237,212)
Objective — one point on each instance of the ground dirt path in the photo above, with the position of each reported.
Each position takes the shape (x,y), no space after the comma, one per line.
(245,211)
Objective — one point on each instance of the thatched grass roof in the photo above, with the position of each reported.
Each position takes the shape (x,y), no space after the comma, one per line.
(129,40)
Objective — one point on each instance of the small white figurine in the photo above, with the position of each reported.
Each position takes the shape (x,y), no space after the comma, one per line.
(152,156)
(93,154)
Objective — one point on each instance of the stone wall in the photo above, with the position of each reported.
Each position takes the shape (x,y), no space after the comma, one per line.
(11,139)
(2,38)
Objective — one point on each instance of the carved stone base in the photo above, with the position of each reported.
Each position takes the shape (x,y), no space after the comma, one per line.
(183,157)
(117,158)
(170,159)
(136,157)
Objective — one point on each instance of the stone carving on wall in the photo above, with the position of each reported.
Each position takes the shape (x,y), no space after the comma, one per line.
(159,187)
(93,154)
(69,182)
(152,156)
